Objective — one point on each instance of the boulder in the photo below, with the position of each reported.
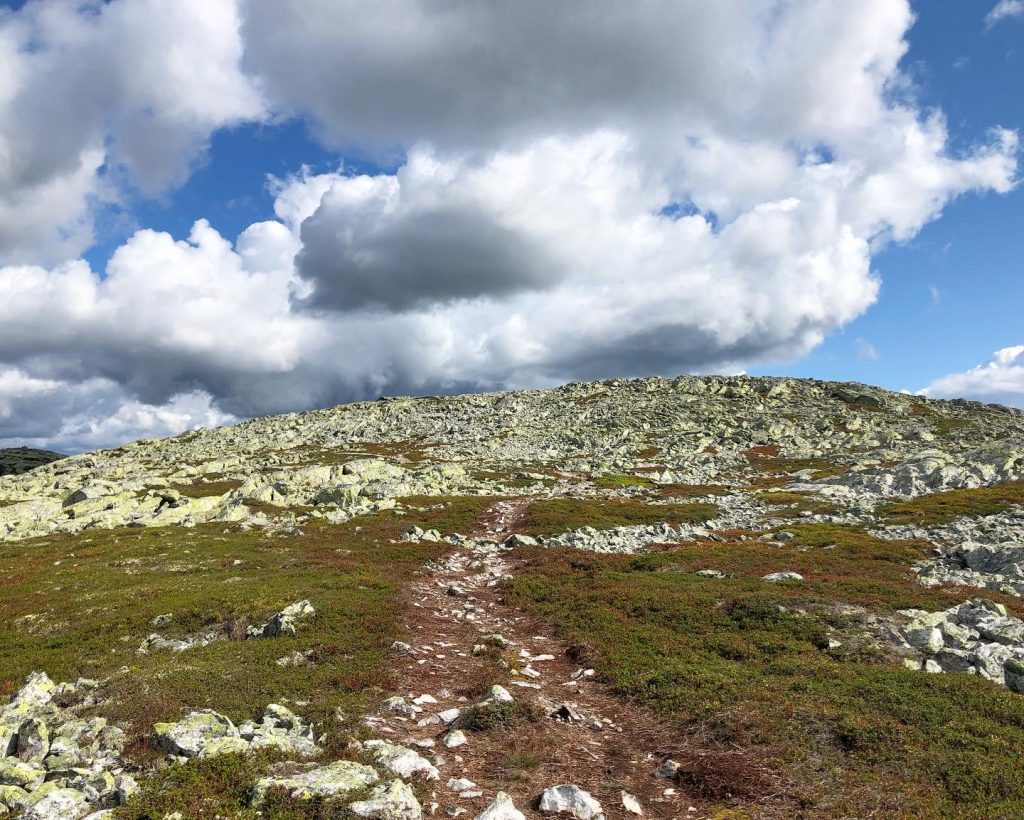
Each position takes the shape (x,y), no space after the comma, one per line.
(14,772)
(399,760)
(284,622)
(501,808)
(1013,673)
(224,746)
(781,577)
(338,779)
(33,741)
(12,797)
(570,801)
(396,801)
(195,731)
(282,729)
(58,804)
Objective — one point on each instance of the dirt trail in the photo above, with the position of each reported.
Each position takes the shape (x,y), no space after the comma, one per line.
(605,747)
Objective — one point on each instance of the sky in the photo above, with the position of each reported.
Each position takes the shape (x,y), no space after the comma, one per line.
(217,209)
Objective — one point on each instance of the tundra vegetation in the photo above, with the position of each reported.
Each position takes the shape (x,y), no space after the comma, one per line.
(740,597)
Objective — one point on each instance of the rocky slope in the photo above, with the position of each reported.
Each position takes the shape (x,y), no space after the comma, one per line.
(883,532)
(17,460)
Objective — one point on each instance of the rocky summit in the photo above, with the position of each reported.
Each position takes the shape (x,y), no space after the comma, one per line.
(696,597)
(17,460)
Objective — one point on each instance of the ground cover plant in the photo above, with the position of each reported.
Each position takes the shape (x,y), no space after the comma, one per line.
(553,516)
(941,508)
(81,605)
(746,665)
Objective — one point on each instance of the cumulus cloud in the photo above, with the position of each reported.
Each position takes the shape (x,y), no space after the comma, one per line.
(395,243)
(73,416)
(1004,9)
(98,95)
(581,191)
(999,380)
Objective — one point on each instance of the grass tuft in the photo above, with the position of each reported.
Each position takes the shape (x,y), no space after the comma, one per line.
(941,508)
(549,517)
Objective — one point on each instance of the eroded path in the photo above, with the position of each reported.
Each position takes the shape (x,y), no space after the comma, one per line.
(578,732)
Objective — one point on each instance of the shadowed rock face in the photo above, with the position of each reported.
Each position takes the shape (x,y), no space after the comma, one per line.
(18,460)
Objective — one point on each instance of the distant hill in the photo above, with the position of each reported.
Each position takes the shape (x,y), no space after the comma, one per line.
(18,460)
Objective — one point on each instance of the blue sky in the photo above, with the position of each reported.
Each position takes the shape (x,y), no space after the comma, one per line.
(955,292)
(233,209)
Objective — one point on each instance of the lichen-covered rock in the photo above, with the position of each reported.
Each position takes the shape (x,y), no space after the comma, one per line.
(399,760)
(782,577)
(224,746)
(396,801)
(12,797)
(195,731)
(338,779)
(976,637)
(14,772)
(33,741)
(285,622)
(283,730)
(58,804)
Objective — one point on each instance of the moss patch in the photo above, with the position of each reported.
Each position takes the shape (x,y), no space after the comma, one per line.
(745,665)
(941,508)
(207,489)
(797,502)
(616,481)
(80,605)
(557,515)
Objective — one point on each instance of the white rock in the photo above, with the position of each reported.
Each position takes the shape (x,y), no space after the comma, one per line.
(631,804)
(399,760)
(396,801)
(501,808)
(572,801)
(333,780)
(779,577)
(197,729)
(455,738)
(59,804)
(497,694)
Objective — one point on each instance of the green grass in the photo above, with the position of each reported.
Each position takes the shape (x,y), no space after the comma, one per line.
(615,481)
(554,516)
(797,502)
(87,614)
(221,787)
(207,489)
(744,668)
(487,717)
(690,490)
(946,427)
(941,508)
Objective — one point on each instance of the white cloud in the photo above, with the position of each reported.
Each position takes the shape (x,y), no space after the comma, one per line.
(95,96)
(684,186)
(73,416)
(999,380)
(1004,9)
(866,350)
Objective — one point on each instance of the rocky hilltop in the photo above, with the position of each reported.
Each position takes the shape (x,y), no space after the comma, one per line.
(17,460)
(697,597)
